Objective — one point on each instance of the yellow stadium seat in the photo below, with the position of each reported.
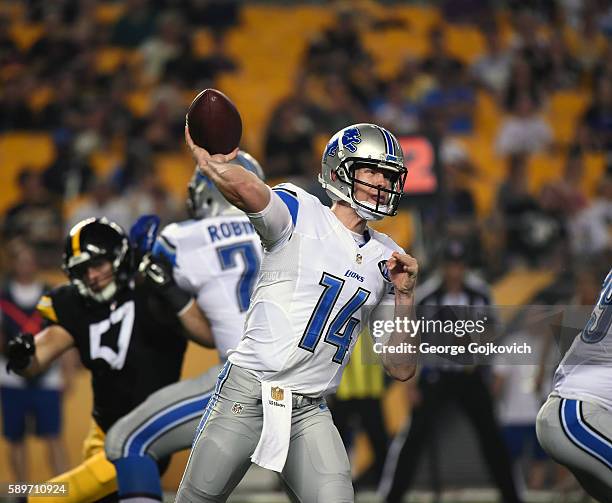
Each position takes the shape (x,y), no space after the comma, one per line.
(421,18)
(201,43)
(564,110)
(18,150)
(594,168)
(41,97)
(400,228)
(544,168)
(25,35)
(109,12)
(103,162)
(174,171)
(520,285)
(390,48)
(108,59)
(465,42)
(139,102)
(488,116)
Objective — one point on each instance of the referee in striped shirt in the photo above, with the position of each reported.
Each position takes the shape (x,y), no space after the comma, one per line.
(437,386)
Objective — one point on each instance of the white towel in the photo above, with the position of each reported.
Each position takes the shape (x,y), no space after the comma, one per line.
(271,451)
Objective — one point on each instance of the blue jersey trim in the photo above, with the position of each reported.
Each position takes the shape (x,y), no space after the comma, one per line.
(291,201)
(582,434)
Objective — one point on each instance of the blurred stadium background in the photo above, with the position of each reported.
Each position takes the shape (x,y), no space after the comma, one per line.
(504,110)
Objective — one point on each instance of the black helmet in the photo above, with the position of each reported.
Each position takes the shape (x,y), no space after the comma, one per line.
(91,240)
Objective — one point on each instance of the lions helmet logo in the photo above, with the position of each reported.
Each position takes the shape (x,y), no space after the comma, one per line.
(350,138)
(331,149)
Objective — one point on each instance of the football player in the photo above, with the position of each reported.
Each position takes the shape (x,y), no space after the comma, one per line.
(130,340)
(575,424)
(322,269)
(215,256)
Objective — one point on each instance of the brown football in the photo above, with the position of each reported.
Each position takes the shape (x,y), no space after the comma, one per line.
(214,122)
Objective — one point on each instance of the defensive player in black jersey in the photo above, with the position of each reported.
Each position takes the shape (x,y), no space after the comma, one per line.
(128,334)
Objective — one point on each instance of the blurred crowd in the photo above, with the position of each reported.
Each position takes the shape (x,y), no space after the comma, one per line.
(554,46)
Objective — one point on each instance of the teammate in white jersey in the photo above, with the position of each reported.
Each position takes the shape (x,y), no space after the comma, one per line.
(575,424)
(215,255)
(322,270)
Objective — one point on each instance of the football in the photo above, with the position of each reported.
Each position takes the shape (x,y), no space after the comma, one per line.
(214,122)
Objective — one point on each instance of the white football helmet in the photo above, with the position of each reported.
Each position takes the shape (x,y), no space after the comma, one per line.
(204,199)
(358,146)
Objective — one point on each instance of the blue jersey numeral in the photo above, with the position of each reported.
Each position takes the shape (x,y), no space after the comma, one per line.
(599,324)
(344,319)
(250,258)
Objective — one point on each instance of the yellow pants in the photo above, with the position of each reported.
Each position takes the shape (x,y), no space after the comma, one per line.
(93,479)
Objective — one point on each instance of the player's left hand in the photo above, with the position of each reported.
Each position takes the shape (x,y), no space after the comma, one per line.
(158,275)
(403,271)
(19,351)
(156,270)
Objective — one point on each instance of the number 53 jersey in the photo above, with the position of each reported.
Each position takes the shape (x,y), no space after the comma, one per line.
(312,296)
(132,346)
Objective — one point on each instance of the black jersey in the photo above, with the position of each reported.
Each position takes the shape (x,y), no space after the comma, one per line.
(133,346)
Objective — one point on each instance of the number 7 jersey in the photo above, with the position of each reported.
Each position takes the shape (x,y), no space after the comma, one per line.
(312,295)
(217,260)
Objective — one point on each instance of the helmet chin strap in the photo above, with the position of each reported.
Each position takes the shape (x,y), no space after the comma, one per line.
(365,213)
(106,294)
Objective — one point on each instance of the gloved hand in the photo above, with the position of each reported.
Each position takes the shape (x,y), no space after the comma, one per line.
(20,351)
(142,235)
(157,272)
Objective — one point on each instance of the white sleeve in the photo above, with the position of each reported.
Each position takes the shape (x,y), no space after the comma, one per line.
(274,223)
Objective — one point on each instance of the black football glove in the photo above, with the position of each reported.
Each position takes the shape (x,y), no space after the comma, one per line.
(157,272)
(20,351)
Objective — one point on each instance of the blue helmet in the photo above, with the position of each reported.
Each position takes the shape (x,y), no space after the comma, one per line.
(204,199)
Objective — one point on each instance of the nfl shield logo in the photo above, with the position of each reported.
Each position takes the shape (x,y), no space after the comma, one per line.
(359,258)
(277,393)
(237,408)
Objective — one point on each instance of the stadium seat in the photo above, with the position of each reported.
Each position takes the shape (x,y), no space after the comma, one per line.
(25,35)
(465,42)
(18,150)
(564,110)
(519,286)
(174,171)
(488,116)
(594,167)
(400,228)
(109,58)
(41,97)
(544,168)
(139,102)
(109,12)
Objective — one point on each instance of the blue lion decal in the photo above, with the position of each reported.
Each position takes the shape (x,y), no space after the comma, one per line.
(350,138)
(331,149)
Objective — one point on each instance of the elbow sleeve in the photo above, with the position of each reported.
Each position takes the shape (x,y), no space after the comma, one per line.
(274,223)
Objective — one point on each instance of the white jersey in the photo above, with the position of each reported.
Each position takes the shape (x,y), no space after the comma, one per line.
(313,291)
(585,373)
(217,260)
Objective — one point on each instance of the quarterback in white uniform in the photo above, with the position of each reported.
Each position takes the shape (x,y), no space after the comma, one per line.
(215,255)
(322,271)
(575,424)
